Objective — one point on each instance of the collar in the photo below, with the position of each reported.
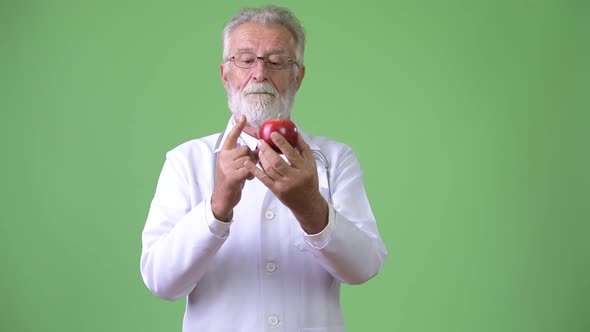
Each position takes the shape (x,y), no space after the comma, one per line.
(251,141)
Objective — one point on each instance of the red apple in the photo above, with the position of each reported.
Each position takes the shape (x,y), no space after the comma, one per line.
(284,127)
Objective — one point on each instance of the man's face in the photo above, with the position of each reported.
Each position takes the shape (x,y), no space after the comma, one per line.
(261,93)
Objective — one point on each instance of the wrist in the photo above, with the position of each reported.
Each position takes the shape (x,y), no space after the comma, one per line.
(220,212)
(315,219)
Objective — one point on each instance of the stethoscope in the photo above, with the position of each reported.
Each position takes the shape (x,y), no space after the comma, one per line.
(318,155)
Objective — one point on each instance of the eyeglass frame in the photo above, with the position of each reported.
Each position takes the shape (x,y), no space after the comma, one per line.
(265,58)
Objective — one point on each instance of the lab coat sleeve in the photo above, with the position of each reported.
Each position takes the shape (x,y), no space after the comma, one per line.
(354,252)
(177,242)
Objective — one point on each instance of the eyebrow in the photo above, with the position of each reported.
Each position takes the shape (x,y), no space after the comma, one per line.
(272,51)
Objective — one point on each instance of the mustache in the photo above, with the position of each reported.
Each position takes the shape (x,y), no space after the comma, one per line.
(259,88)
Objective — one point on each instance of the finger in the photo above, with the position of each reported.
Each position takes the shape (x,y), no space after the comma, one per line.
(254,155)
(239,163)
(232,138)
(227,158)
(242,151)
(273,173)
(269,158)
(304,147)
(243,174)
(259,174)
(288,150)
(234,177)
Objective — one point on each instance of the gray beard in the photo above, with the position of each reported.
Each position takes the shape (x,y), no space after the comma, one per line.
(260,107)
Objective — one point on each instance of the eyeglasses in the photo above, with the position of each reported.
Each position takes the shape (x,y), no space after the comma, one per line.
(248,60)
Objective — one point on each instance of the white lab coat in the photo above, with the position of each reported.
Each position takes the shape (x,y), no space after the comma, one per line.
(261,272)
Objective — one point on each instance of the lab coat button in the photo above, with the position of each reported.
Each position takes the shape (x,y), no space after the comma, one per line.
(271,267)
(269,214)
(273,320)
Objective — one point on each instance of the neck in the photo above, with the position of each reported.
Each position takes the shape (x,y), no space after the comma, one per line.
(251,131)
(248,129)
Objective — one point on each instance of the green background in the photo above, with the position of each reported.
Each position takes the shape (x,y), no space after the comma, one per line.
(470,119)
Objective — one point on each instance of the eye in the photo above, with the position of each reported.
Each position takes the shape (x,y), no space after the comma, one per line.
(276,60)
(246,58)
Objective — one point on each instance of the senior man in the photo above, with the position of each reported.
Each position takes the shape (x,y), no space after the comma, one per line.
(256,241)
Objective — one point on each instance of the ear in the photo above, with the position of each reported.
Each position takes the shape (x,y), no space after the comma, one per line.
(224,76)
(300,75)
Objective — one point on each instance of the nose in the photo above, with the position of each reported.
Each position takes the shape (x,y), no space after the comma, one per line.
(259,71)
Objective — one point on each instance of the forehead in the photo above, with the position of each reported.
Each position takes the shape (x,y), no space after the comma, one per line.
(261,37)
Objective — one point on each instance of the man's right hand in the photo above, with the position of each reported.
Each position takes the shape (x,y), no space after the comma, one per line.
(231,173)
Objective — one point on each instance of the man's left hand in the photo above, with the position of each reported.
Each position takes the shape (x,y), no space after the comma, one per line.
(295,185)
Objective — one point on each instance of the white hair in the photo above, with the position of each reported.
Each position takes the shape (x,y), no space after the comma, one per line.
(267,15)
